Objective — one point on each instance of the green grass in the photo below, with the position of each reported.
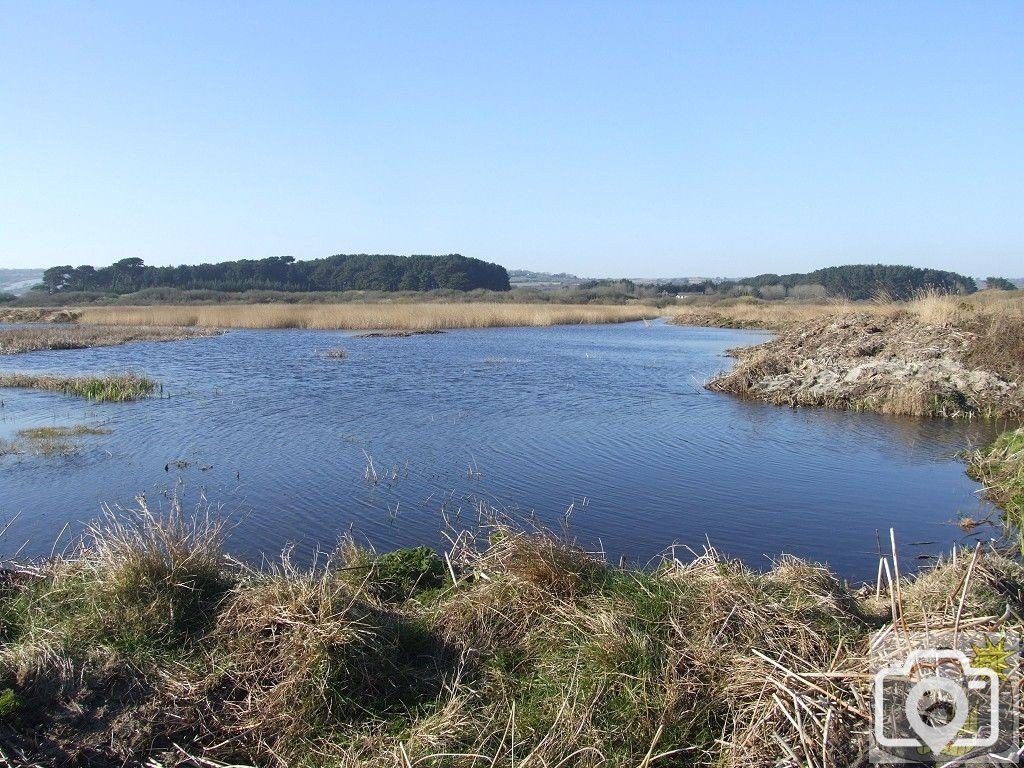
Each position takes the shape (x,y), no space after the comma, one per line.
(110,388)
(1000,468)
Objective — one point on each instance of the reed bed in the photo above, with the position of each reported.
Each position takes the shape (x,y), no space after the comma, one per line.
(513,648)
(119,387)
(69,335)
(423,316)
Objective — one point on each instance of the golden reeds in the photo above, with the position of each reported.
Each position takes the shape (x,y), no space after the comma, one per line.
(425,316)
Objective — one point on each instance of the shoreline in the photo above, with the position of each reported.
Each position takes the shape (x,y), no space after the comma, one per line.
(148,635)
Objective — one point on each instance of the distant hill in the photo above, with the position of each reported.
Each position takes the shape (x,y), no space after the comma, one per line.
(18,281)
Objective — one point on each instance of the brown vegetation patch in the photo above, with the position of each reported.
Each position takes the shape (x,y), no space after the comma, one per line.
(71,336)
(894,363)
(38,315)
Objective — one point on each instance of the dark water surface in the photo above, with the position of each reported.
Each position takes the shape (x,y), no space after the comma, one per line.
(608,421)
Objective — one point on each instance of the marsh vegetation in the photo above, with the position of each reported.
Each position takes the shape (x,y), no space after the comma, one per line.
(49,441)
(514,647)
(70,335)
(365,316)
(115,387)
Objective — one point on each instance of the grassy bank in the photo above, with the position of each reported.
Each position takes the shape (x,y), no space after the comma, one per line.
(120,387)
(69,335)
(148,643)
(1000,469)
(365,316)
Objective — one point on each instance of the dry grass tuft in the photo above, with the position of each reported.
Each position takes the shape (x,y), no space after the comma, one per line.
(284,636)
(155,576)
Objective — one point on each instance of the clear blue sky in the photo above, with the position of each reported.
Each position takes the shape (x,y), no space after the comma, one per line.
(628,138)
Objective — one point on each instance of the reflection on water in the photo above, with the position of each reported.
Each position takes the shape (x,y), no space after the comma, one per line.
(610,421)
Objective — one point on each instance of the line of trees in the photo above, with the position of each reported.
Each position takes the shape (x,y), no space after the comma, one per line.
(861,281)
(999,284)
(342,272)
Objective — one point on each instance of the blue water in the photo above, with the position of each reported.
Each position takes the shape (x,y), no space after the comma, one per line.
(606,426)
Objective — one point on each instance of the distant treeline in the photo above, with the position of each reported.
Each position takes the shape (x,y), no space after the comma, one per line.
(854,282)
(361,272)
(864,281)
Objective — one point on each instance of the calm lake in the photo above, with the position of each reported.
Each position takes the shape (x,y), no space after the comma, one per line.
(607,426)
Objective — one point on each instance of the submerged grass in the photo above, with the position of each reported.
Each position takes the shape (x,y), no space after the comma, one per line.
(378,316)
(10,448)
(48,441)
(53,433)
(119,387)
(515,648)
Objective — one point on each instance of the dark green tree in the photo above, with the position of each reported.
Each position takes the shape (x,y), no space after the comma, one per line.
(999,284)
